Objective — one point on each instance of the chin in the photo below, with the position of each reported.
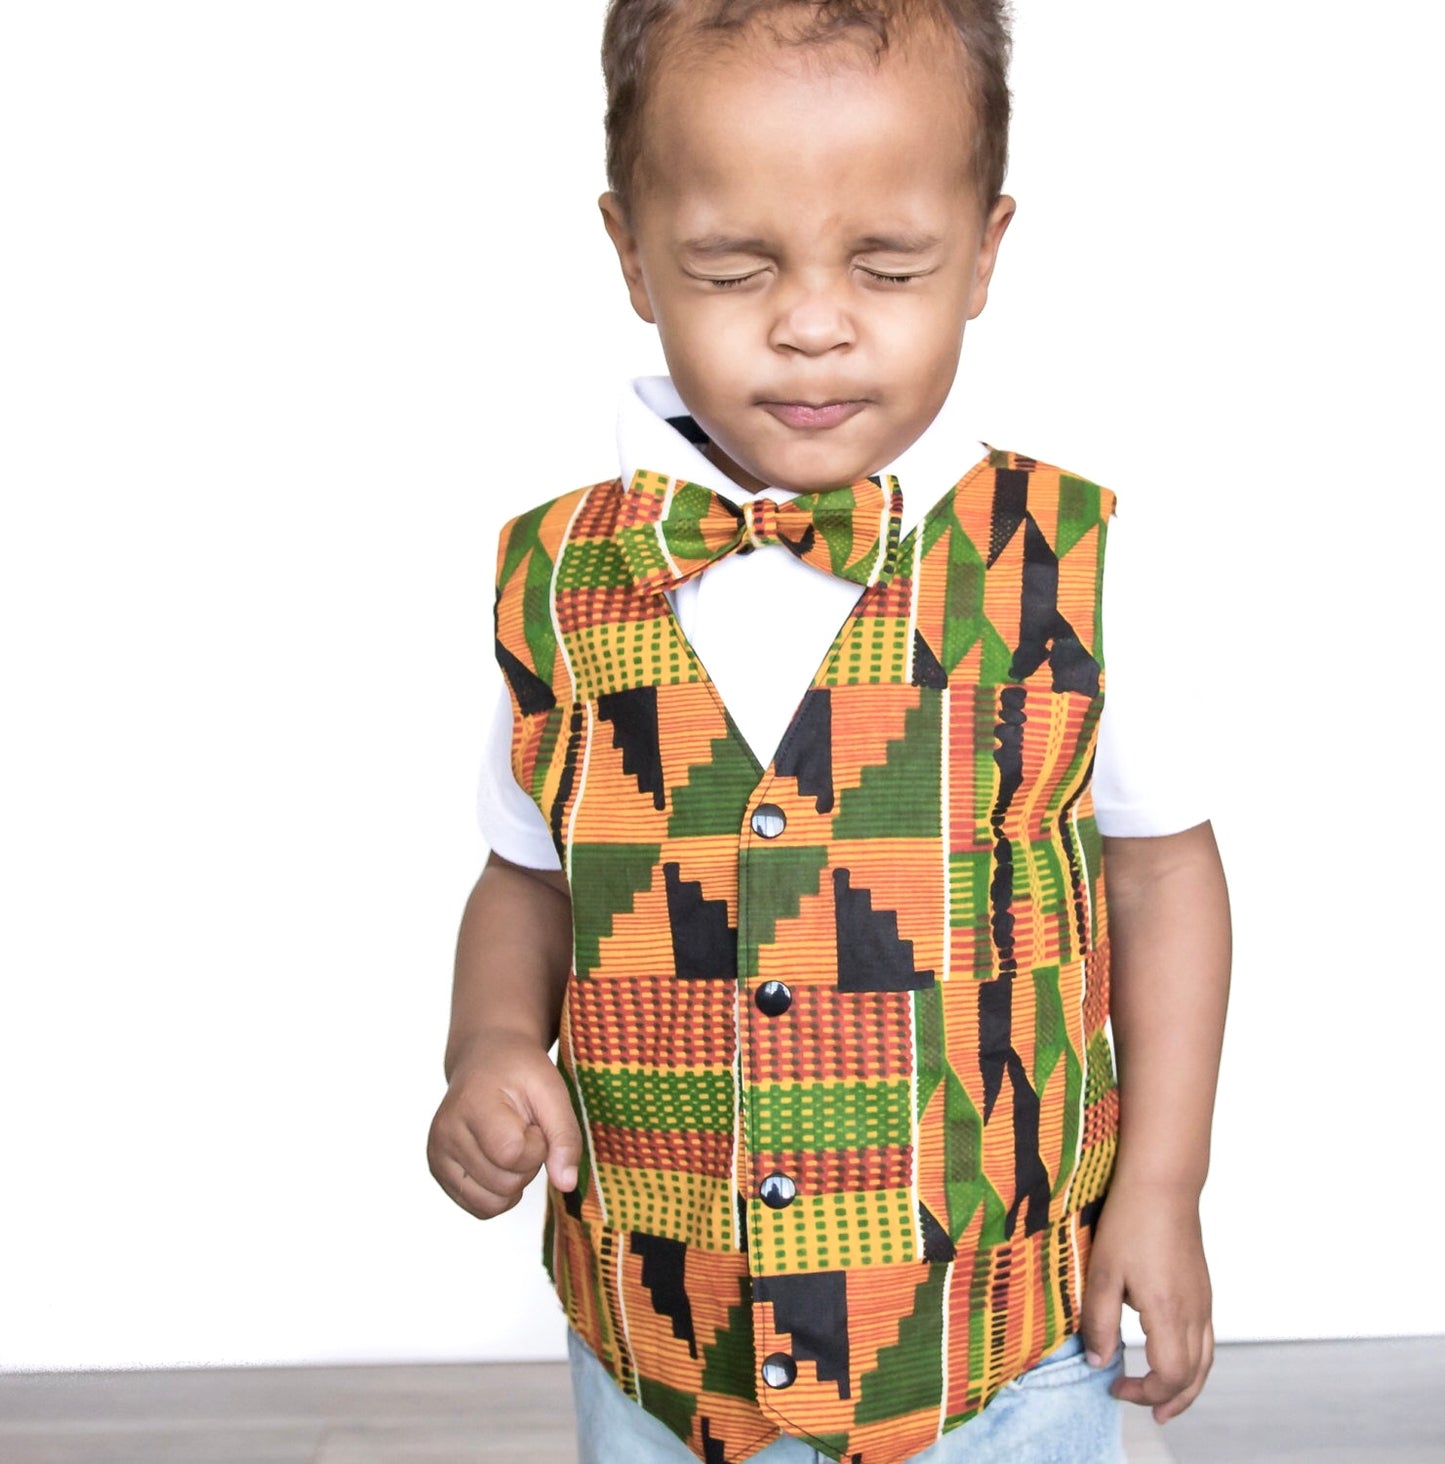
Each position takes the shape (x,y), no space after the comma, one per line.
(810,476)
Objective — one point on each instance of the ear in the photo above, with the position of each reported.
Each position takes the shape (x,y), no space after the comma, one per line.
(624,241)
(993,231)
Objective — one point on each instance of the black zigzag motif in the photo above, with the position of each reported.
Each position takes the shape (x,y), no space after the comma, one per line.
(998,1057)
(663,1263)
(813,1308)
(532,693)
(801,548)
(995,1037)
(567,782)
(936,1244)
(704,945)
(806,752)
(1031,1178)
(714,1449)
(927,668)
(872,956)
(1042,630)
(633,714)
(1008,753)
(1010,505)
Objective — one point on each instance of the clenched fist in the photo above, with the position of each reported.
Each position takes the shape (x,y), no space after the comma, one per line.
(505,1113)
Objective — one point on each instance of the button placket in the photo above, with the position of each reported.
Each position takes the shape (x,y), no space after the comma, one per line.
(773,999)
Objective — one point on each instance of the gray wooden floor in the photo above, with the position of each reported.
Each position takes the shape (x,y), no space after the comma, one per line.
(1379,1402)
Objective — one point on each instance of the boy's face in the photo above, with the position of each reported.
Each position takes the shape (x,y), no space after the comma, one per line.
(806,236)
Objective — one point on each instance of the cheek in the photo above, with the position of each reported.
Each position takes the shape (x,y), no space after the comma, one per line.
(711,343)
(925,338)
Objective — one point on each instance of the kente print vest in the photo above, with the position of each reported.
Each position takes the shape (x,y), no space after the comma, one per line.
(835,1027)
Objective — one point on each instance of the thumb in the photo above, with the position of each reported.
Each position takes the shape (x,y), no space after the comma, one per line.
(552,1113)
(1103,1308)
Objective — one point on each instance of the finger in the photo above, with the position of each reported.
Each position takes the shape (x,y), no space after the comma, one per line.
(469,1178)
(1172,1342)
(1175,1406)
(1173,1358)
(1099,1319)
(506,1139)
(1155,1389)
(485,1200)
(480,1170)
(552,1112)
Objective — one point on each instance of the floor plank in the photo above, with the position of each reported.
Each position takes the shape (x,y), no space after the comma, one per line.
(222,1442)
(1379,1401)
(479,1444)
(1376,1402)
(1144,1440)
(423,1391)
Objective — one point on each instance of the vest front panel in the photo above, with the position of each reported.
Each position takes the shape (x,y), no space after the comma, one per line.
(835,1030)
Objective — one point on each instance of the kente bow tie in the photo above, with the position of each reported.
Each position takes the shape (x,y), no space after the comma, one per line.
(671,529)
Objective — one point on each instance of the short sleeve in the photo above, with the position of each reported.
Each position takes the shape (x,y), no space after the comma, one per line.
(1152,768)
(510,822)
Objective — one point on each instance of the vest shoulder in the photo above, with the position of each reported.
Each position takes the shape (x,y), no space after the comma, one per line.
(1049,478)
(527,552)
(537,534)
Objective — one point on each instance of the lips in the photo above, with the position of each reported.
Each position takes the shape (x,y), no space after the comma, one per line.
(813,416)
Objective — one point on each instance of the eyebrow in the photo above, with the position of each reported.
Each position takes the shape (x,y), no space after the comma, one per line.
(898,243)
(713,246)
(716,246)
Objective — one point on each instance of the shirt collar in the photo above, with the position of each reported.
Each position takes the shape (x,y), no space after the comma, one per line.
(925,470)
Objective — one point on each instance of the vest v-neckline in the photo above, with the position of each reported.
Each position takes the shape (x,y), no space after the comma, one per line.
(908,547)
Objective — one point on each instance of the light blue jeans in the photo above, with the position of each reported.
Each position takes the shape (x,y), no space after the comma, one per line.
(1059,1412)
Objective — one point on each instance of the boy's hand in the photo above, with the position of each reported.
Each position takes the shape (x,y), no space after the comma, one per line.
(1148,1252)
(506,1110)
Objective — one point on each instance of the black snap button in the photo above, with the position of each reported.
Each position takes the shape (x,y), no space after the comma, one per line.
(779,1370)
(777,1191)
(768,821)
(773,998)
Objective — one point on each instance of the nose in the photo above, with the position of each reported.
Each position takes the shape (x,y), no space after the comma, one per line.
(812,318)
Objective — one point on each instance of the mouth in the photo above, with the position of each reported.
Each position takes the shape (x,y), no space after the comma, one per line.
(814,416)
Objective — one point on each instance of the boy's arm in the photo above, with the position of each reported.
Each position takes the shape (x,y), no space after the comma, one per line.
(506,1107)
(1169,935)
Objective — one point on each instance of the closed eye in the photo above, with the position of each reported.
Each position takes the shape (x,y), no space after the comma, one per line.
(723,282)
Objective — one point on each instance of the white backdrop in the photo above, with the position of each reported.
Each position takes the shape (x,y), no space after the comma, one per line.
(295,295)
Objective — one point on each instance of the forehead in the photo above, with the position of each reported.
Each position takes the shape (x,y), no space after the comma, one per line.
(745,112)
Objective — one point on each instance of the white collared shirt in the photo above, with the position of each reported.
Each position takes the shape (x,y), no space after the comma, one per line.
(1142,784)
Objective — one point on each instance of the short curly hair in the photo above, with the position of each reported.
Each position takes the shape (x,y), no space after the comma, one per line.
(637,31)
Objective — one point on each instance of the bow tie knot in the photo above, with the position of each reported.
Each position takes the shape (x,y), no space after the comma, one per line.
(760,524)
(670,529)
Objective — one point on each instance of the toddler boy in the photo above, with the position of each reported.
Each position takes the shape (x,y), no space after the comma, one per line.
(795,845)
